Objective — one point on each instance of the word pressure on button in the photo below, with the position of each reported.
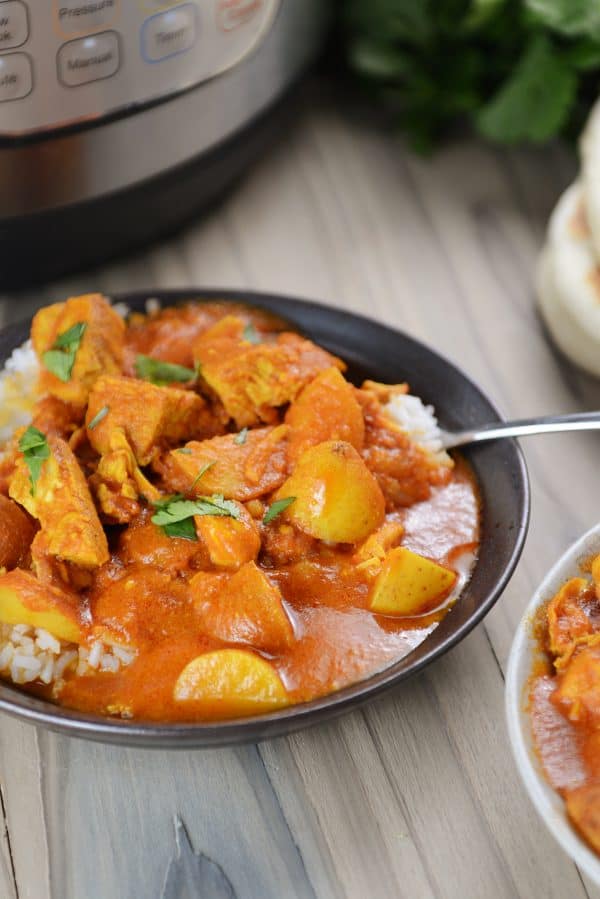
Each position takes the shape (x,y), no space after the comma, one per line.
(75,16)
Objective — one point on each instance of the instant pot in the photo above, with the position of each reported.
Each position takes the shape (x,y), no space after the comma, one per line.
(119,119)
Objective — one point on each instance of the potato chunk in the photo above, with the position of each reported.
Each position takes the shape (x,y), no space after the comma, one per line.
(337,497)
(253,380)
(100,351)
(64,507)
(326,409)
(149,415)
(583,808)
(231,683)
(230,542)
(247,609)
(410,584)
(24,600)
(240,471)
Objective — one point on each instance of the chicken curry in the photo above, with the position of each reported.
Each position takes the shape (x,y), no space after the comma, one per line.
(565,699)
(205,519)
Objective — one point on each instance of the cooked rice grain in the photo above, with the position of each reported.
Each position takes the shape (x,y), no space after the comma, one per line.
(30,654)
(17,390)
(420,424)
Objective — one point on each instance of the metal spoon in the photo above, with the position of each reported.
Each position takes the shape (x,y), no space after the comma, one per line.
(579,421)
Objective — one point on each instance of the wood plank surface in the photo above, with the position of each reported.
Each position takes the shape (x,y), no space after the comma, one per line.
(415,795)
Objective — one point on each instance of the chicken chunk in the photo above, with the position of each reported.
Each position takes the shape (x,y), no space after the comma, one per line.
(253,380)
(100,350)
(230,542)
(578,691)
(64,507)
(241,471)
(150,416)
(405,472)
(567,619)
(119,482)
(260,621)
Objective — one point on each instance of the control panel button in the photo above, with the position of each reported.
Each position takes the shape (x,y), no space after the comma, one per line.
(77,16)
(233,13)
(89,59)
(16,77)
(169,33)
(14,27)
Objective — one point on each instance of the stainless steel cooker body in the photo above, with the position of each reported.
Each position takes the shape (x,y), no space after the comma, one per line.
(132,108)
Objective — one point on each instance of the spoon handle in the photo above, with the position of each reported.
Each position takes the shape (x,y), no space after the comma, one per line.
(578,421)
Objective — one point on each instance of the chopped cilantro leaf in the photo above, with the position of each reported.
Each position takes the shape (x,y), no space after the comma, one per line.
(277,508)
(60,358)
(98,417)
(251,334)
(35,449)
(241,438)
(158,372)
(176,515)
(202,472)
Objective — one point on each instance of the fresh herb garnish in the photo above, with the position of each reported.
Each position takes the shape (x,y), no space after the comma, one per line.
(176,515)
(98,417)
(35,449)
(516,71)
(277,508)
(60,359)
(158,372)
(185,451)
(251,334)
(202,472)
(241,438)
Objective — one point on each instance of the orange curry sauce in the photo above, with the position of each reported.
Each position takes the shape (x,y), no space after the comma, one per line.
(159,593)
(564,698)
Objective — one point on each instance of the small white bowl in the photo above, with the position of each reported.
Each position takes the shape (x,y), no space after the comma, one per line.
(549,805)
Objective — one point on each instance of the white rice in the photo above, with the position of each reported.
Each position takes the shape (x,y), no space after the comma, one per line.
(153,306)
(420,423)
(30,654)
(121,309)
(17,390)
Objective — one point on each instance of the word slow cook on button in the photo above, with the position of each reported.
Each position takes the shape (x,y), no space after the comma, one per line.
(16,77)
(14,27)
(89,59)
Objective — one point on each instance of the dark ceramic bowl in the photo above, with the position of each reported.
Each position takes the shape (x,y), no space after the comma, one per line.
(375,351)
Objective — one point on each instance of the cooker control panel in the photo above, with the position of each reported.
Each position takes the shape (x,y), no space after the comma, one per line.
(68,61)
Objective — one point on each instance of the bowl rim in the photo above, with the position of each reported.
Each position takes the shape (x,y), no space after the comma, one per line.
(186,735)
(547,801)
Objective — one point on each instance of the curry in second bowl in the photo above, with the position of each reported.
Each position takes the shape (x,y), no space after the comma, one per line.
(564,697)
(202,518)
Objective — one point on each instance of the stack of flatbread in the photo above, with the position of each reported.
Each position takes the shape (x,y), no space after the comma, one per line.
(568,279)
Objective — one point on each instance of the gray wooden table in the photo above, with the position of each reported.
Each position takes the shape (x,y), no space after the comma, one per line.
(417,794)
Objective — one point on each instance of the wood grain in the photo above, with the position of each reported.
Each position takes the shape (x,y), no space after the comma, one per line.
(417,794)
